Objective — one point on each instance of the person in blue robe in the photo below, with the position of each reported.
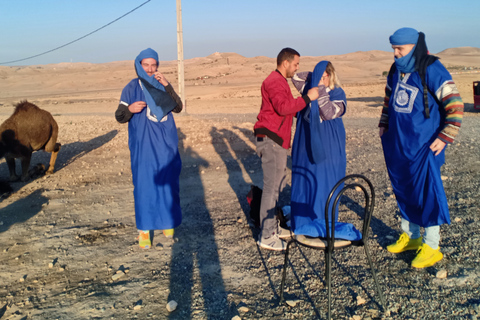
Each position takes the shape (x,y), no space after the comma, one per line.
(422,113)
(318,153)
(146,104)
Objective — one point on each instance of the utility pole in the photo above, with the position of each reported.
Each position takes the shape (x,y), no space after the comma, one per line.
(181,73)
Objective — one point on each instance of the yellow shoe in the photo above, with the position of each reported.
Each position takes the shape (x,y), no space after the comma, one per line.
(426,257)
(168,233)
(404,243)
(144,240)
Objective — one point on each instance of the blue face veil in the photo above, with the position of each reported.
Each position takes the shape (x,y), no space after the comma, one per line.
(317,152)
(159,102)
(402,37)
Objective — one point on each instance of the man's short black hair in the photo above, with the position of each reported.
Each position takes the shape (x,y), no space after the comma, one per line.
(286,54)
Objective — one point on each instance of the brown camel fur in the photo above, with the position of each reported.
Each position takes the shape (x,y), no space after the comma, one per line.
(28,129)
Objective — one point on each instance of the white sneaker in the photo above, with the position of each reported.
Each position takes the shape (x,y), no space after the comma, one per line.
(272,243)
(284,233)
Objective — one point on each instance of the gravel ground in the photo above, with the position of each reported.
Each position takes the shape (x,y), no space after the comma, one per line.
(65,237)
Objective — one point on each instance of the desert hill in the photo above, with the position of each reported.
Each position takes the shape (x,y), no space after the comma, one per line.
(460,51)
(212,76)
(68,248)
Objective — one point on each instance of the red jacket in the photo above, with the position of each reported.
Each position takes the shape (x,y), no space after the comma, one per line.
(278,109)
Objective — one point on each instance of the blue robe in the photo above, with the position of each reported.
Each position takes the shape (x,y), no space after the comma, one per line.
(413,168)
(318,163)
(156,166)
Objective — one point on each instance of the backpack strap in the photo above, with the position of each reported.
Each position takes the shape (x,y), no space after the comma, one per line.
(425,99)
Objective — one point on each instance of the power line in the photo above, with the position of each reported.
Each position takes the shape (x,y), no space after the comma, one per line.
(41,54)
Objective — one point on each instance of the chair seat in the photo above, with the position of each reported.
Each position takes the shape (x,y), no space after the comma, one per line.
(320,242)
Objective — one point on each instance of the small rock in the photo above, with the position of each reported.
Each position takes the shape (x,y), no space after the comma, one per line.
(50,265)
(444,178)
(137,307)
(390,237)
(457,219)
(414,300)
(360,301)
(243,309)
(239,221)
(356,317)
(292,303)
(172,305)
(441,274)
(236,318)
(373,312)
(117,276)
(22,279)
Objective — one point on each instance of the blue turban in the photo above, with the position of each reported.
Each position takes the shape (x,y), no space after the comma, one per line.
(404,36)
(147,53)
(159,102)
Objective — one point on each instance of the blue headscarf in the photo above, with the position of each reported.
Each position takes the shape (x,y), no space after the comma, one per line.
(317,149)
(159,102)
(402,37)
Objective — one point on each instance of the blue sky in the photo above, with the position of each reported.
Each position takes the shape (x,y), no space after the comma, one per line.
(249,27)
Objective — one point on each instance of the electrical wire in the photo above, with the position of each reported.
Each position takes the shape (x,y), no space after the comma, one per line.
(62,46)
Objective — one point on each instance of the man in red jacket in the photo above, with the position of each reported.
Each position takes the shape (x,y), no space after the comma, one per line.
(273,135)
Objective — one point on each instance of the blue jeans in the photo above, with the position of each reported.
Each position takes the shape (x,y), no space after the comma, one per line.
(274,166)
(431,235)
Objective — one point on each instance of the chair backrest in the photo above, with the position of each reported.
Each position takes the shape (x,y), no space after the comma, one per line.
(368,207)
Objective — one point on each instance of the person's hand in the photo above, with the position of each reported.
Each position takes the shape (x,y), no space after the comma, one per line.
(161,78)
(313,94)
(137,106)
(437,146)
(381,131)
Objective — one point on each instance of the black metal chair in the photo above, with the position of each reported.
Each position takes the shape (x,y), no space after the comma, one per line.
(329,243)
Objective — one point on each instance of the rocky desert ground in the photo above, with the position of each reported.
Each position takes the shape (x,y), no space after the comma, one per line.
(68,240)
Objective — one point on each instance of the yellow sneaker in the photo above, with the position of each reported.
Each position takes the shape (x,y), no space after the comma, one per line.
(426,257)
(168,233)
(404,243)
(144,240)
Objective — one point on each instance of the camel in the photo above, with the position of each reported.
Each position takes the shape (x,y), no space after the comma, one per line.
(28,129)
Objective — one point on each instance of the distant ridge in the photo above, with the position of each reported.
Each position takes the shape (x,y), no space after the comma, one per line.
(461,51)
(218,55)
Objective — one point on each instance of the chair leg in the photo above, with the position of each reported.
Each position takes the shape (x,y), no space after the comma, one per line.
(379,292)
(328,270)
(282,285)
